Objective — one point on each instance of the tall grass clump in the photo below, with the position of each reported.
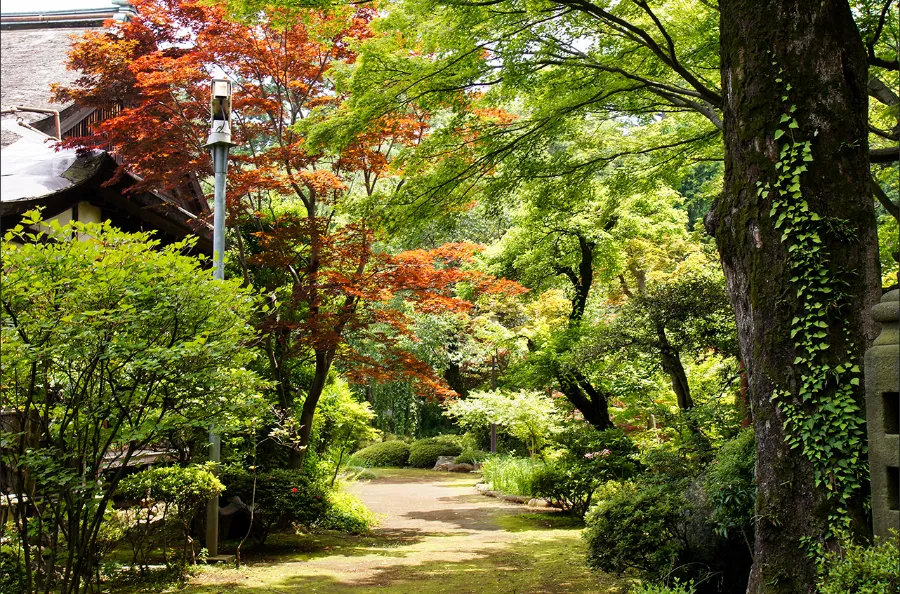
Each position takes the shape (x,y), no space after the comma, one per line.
(510,475)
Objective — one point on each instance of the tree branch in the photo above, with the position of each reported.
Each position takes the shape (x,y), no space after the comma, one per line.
(644,38)
(885,155)
(882,92)
(879,193)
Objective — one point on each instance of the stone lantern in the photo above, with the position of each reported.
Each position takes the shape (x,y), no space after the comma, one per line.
(883,416)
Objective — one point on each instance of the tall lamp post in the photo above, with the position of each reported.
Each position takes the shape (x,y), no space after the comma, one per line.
(219,143)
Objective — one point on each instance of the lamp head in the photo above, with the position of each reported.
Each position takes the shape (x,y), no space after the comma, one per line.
(220,111)
(221,100)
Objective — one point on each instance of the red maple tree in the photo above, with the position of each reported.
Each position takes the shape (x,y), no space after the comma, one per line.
(324,275)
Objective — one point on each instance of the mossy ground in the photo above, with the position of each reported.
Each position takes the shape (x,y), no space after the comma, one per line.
(449,540)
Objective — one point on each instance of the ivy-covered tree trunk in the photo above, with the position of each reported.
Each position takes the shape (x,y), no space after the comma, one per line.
(816,49)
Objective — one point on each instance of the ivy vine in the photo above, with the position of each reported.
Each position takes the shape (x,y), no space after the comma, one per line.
(822,415)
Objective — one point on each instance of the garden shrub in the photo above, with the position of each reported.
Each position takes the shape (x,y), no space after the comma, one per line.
(182,491)
(589,459)
(342,424)
(386,453)
(512,476)
(282,496)
(347,513)
(730,487)
(636,526)
(859,569)
(12,568)
(425,452)
(471,457)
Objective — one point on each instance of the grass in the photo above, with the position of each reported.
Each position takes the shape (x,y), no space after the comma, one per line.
(511,476)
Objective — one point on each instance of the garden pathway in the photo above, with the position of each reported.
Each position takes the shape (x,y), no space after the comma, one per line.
(436,535)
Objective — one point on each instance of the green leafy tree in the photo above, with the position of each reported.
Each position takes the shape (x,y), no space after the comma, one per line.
(529,416)
(108,344)
(725,72)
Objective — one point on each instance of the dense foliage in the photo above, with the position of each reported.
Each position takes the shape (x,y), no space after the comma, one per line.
(109,346)
(589,459)
(857,569)
(425,452)
(638,527)
(387,453)
(627,246)
(279,497)
(167,495)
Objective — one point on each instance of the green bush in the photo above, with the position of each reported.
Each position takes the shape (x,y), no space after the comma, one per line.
(730,487)
(182,491)
(347,514)
(282,496)
(512,476)
(590,458)
(862,570)
(12,568)
(471,457)
(636,526)
(386,453)
(424,452)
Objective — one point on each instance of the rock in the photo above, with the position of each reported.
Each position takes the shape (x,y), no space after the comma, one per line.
(536,502)
(460,467)
(515,498)
(443,462)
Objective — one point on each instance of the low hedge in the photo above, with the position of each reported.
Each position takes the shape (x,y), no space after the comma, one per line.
(425,452)
(386,453)
(282,496)
(472,457)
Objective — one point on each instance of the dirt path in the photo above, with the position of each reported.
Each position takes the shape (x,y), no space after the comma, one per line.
(436,535)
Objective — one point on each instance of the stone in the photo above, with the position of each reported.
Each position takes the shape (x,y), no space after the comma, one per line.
(882,369)
(464,467)
(537,502)
(443,462)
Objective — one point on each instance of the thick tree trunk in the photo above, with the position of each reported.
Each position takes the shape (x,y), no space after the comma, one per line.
(819,48)
(671,364)
(588,400)
(323,366)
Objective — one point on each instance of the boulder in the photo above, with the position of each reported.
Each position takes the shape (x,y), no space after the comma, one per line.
(460,467)
(536,502)
(444,462)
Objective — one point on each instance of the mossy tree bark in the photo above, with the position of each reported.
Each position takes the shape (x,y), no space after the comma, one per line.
(819,49)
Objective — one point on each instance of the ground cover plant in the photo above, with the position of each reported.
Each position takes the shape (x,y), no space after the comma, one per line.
(511,475)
